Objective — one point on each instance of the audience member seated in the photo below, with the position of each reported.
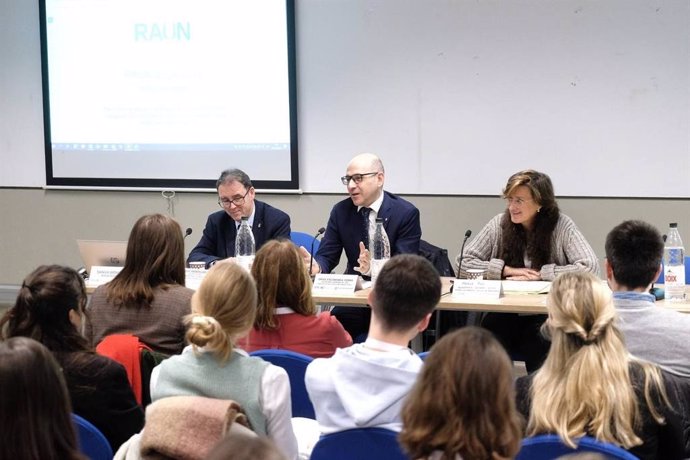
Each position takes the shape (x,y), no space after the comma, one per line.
(224,309)
(463,404)
(286,316)
(365,385)
(148,297)
(634,250)
(590,384)
(50,308)
(35,419)
(532,240)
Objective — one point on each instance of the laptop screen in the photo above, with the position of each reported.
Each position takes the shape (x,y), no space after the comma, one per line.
(102,253)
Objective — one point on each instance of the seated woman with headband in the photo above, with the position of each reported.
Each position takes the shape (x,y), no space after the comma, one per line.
(223,310)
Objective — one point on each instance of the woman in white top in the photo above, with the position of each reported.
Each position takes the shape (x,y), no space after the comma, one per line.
(223,310)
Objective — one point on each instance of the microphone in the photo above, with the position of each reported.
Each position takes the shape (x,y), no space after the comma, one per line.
(187,232)
(468,233)
(319,232)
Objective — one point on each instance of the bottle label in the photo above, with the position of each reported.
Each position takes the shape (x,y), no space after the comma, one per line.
(674,275)
(376,266)
(245,262)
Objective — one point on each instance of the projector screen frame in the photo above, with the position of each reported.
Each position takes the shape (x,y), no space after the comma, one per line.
(181,183)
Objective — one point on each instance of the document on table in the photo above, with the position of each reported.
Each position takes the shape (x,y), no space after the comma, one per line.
(526,287)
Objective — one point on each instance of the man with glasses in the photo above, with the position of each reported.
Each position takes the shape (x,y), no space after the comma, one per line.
(351,225)
(236,197)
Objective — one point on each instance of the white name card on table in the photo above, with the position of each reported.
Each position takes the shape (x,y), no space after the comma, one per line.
(336,284)
(193,277)
(101,275)
(477,289)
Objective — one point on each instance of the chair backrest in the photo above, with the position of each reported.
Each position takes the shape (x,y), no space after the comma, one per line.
(359,444)
(438,258)
(148,360)
(660,279)
(550,446)
(304,239)
(295,364)
(91,441)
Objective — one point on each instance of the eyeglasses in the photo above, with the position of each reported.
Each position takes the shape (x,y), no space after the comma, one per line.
(225,203)
(516,201)
(356,177)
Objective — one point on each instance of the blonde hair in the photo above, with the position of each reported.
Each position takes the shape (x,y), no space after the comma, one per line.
(463,401)
(584,386)
(281,280)
(223,309)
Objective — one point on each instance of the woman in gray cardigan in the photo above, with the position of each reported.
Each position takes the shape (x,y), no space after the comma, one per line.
(532,240)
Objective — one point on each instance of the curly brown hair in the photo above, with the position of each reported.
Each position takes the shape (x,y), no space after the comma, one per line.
(516,241)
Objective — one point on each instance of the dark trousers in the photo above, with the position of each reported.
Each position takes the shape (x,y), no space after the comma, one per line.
(520,336)
(355,320)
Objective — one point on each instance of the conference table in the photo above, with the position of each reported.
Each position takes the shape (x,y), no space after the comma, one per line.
(510,302)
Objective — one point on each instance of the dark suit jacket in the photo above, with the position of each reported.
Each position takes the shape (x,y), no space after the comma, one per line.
(218,240)
(344,231)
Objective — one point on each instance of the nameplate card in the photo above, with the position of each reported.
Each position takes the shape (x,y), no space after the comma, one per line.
(336,284)
(101,275)
(477,289)
(193,277)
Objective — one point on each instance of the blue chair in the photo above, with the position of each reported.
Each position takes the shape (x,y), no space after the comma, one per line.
(423,355)
(304,239)
(550,446)
(295,364)
(660,280)
(359,444)
(91,441)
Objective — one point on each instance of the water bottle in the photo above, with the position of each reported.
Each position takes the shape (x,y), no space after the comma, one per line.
(674,265)
(244,245)
(380,249)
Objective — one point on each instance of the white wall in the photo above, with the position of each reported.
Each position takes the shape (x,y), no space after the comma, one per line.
(344,46)
(454,95)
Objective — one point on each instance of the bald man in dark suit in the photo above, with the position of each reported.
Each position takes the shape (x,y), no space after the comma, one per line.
(367,200)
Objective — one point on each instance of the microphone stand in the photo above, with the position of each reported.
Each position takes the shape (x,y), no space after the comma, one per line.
(468,233)
(319,232)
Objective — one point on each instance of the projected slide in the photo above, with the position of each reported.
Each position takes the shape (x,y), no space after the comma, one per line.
(169,89)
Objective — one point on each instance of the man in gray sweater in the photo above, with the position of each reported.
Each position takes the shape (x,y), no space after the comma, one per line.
(633,261)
